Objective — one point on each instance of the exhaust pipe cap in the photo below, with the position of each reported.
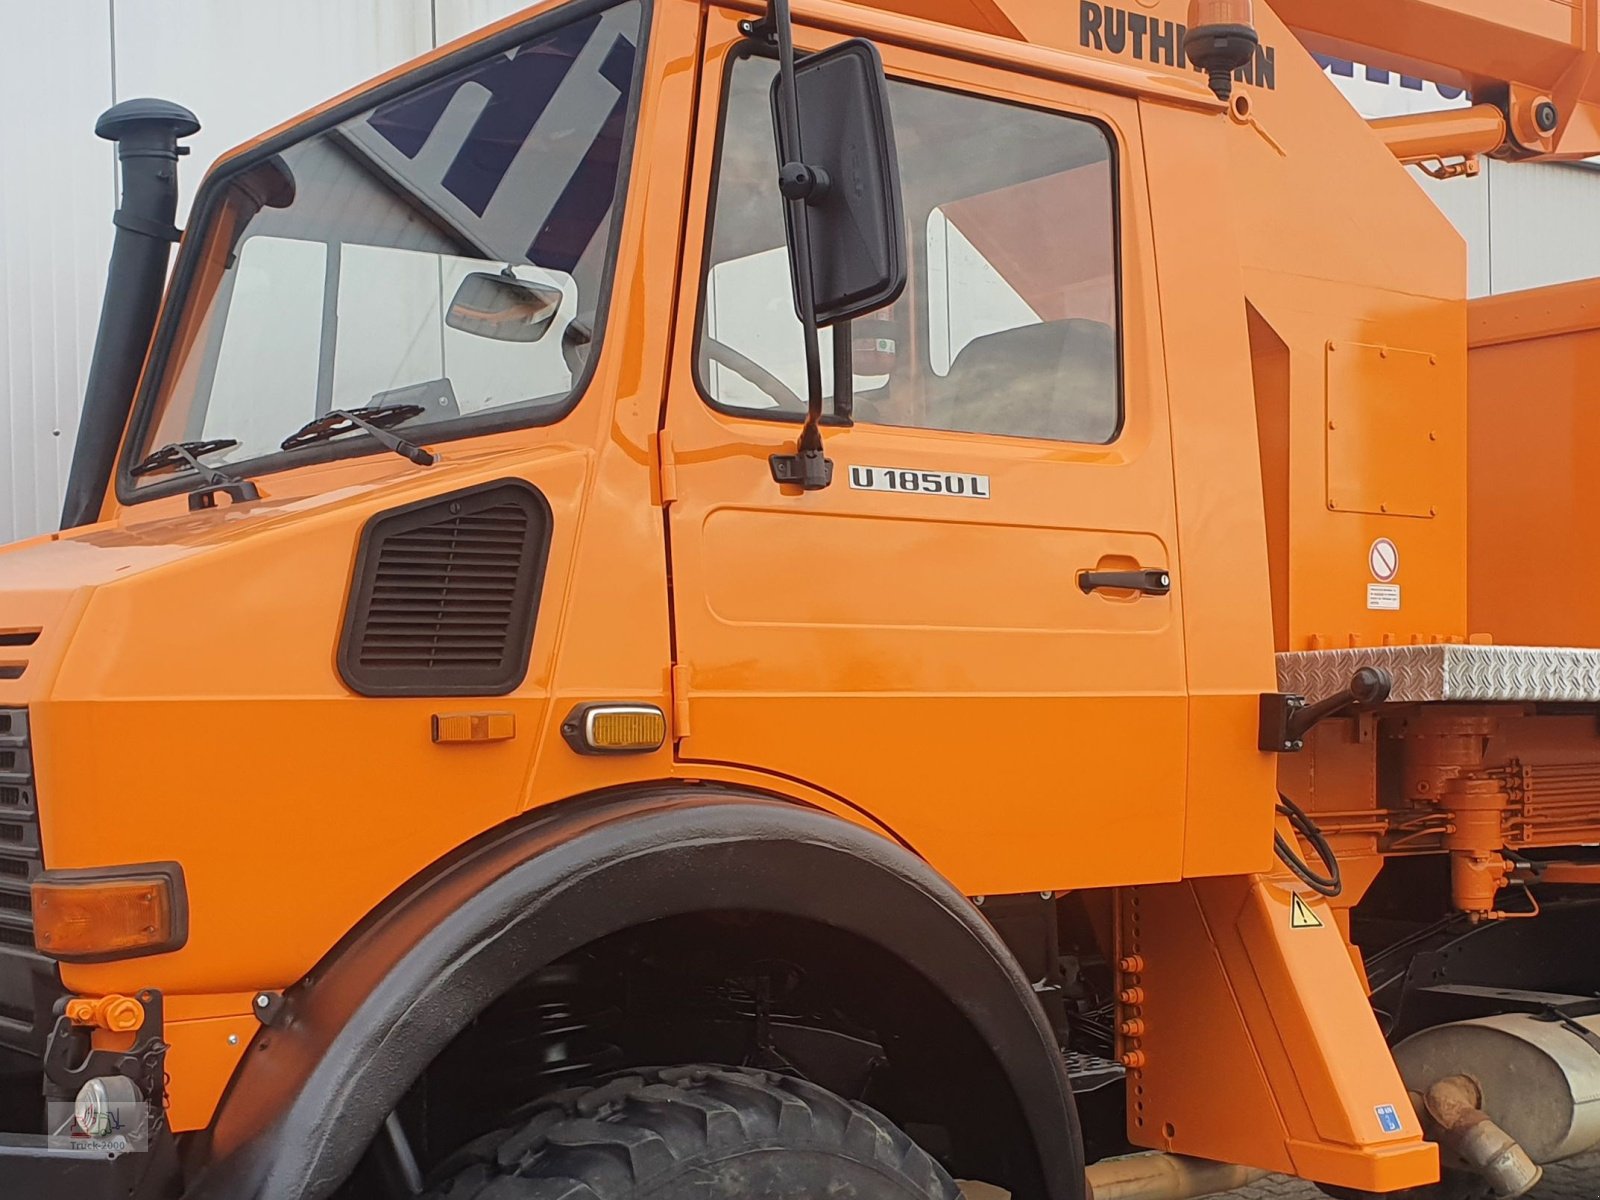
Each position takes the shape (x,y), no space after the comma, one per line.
(121,119)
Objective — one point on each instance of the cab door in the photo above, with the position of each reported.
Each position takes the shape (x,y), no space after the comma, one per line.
(973,635)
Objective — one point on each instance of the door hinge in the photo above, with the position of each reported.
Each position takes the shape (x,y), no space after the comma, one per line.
(666,467)
(680,702)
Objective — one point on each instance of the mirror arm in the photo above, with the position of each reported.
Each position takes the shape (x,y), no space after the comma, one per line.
(807,466)
(844,372)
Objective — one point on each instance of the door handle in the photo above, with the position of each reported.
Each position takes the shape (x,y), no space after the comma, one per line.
(1156,582)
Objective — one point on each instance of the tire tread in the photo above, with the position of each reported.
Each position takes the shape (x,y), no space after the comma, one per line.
(610,1141)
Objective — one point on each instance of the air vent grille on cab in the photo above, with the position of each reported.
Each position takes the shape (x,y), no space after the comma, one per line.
(446,593)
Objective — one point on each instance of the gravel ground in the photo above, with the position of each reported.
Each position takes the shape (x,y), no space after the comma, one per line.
(1575,1179)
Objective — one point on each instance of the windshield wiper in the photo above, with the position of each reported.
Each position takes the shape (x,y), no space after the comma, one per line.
(373,420)
(179,456)
(185,456)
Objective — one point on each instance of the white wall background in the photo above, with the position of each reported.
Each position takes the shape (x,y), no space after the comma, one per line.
(245,65)
(242,66)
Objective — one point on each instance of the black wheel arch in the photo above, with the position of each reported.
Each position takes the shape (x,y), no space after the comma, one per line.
(315,1087)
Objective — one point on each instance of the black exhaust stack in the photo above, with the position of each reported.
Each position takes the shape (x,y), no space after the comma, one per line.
(146,132)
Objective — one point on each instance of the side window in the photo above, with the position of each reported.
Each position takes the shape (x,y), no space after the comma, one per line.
(1010,323)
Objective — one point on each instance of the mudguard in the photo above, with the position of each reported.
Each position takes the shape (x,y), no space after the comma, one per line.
(315,1088)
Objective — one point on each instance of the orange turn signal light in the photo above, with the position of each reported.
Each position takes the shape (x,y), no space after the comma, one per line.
(1205,14)
(110,913)
(1221,38)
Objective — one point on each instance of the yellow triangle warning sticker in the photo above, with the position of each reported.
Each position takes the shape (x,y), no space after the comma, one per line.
(1301,916)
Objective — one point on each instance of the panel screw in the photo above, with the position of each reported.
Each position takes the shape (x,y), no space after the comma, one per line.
(233,1039)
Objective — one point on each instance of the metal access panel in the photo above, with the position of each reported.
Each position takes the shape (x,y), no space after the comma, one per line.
(1387,426)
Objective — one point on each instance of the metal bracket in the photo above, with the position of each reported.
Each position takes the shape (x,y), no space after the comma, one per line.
(133,223)
(70,1060)
(1460,168)
(808,468)
(1287,718)
(764,29)
(237,490)
(268,1007)
(1563,1016)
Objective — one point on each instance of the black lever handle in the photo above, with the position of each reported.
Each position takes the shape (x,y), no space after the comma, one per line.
(1151,583)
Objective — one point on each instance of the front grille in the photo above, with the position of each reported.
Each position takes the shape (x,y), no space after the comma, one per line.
(445,594)
(19,828)
(29,982)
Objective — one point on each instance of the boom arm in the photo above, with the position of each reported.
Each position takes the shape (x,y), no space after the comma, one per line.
(1535,59)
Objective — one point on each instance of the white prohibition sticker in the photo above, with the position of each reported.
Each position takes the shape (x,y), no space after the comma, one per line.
(928,483)
(1384,559)
(1383,597)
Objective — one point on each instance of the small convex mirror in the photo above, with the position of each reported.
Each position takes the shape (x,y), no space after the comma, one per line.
(503,307)
(854,215)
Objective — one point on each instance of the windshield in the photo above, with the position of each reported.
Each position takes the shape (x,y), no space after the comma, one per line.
(447,249)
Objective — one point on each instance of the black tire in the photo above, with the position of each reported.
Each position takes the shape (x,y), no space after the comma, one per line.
(695,1132)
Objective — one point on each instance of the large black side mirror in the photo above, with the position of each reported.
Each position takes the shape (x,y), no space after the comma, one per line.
(848,177)
(503,307)
(840,181)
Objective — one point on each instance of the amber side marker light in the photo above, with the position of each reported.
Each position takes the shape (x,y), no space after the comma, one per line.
(615,728)
(1222,38)
(109,913)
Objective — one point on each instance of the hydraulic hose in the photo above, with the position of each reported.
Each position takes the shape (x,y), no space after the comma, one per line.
(1329,885)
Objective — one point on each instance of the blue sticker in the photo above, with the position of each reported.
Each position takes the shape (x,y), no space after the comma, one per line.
(1388,1119)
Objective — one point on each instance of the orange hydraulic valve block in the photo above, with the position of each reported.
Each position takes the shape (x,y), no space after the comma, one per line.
(1444,766)
(1476,841)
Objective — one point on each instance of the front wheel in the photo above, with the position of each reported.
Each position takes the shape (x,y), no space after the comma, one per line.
(695,1133)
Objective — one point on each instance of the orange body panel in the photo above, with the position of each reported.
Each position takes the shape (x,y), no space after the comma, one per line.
(1535,434)
(1271,1016)
(1294,325)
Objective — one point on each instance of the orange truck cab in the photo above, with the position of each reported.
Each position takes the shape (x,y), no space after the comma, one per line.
(681,596)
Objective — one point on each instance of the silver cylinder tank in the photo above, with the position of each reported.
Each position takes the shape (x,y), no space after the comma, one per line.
(1539,1078)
